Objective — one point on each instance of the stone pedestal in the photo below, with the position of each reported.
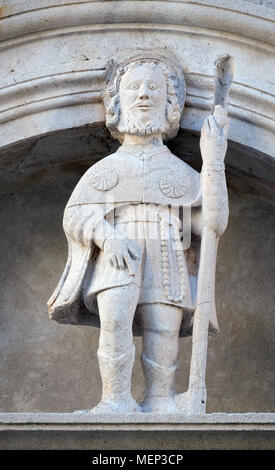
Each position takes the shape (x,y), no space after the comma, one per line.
(76,431)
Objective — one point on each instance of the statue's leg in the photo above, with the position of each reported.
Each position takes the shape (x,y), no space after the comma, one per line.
(159,359)
(116,351)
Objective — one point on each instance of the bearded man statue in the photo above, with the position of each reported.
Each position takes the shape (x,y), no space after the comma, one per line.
(128,224)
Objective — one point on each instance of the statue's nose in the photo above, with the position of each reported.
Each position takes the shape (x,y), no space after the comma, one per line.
(143,92)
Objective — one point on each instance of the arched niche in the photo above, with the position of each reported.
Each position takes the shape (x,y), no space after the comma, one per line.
(55,56)
(53,368)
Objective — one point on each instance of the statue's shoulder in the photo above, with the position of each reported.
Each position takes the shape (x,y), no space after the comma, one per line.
(177,167)
(112,161)
(178,162)
(105,162)
(181,174)
(104,166)
(99,178)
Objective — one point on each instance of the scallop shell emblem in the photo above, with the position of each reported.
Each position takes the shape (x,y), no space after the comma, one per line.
(172,186)
(104,180)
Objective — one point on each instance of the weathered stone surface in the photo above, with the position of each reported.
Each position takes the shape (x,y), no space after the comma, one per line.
(137,432)
(142,421)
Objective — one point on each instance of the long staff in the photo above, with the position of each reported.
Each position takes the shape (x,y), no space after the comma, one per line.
(196,394)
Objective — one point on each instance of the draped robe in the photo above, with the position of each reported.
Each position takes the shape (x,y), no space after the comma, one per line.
(120,180)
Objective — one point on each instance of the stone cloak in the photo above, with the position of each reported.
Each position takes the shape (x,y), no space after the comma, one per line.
(122,178)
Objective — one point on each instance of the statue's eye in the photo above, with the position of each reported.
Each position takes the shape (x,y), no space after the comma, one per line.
(152,86)
(133,86)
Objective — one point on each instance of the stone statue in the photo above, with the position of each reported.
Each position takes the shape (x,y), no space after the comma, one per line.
(128,224)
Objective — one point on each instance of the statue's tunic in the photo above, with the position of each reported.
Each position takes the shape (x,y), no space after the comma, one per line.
(107,193)
(161,270)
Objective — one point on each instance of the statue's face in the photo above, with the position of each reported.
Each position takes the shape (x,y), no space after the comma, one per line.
(143,95)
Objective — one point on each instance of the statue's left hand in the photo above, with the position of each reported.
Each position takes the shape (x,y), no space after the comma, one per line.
(214,133)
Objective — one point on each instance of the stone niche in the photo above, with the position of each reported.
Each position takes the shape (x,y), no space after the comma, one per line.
(48,367)
(52,130)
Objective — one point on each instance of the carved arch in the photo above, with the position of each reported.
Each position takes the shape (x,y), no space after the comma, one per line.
(55,58)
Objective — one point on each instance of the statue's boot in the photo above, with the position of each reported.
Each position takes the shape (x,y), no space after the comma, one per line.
(160,391)
(116,384)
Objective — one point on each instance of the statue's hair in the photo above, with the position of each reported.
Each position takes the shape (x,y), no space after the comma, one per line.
(175,93)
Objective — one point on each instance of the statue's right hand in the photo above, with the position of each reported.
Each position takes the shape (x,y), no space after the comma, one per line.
(120,253)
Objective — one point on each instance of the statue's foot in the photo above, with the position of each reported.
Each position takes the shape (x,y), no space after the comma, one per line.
(115,406)
(160,405)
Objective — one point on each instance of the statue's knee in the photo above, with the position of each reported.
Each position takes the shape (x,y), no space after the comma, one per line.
(171,332)
(116,323)
(168,332)
(113,324)
(162,320)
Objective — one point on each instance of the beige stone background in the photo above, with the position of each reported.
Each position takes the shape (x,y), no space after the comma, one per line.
(53,368)
(264,3)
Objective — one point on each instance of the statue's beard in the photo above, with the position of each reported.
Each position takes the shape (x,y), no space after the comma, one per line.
(134,126)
